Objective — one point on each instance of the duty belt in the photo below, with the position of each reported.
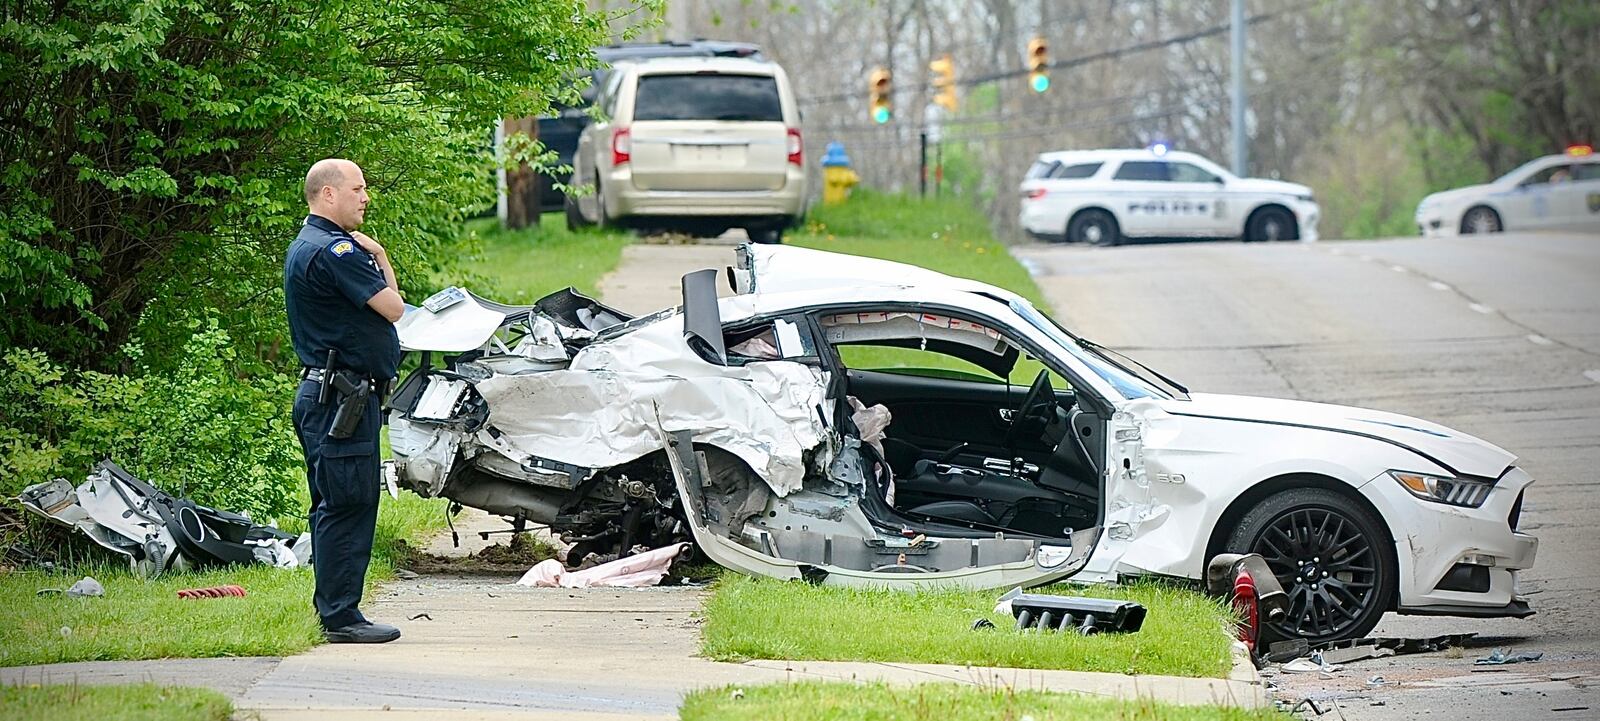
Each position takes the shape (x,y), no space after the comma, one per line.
(315,376)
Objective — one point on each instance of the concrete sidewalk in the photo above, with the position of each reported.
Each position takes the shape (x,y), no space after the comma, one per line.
(481,648)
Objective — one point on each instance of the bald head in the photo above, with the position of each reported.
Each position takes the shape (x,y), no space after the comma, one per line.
(337,190)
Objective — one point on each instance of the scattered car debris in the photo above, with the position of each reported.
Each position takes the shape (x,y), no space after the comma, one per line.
(1500,657)
(1570,708)
(420,616)
(83,587)
(1059,613)
(157,531)
(404,574)
(644,569)
(1363,648)
(224,591)
(1355,653)
(1376,681)
(1285,651)
(982,624)
(1315,664)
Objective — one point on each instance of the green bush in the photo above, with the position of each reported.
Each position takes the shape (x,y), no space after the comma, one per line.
(194,429)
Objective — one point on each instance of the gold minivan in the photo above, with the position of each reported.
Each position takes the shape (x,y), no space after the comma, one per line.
(696,145)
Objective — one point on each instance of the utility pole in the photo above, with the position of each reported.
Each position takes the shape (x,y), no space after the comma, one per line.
(1240,153)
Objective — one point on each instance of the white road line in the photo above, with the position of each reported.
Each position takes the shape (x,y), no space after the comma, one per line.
(1399,269)
(1537,339)
(1436,285)
(1593,375)
(1481,308)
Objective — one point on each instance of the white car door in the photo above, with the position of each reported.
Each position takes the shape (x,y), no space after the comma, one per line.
(1152,202)
(1210,210)
(1534,203)
(1575,201)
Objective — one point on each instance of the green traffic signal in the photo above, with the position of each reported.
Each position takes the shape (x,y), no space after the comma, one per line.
(1039,82)
(880,115)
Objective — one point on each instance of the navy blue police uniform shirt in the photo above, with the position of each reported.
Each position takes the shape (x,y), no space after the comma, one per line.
(327,280)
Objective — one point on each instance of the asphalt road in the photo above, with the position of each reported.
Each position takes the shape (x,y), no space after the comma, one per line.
(1498,337)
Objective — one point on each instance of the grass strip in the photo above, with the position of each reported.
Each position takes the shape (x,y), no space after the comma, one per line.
(135,702)
(839,701)
(142,618)
(746,618)
(522,266)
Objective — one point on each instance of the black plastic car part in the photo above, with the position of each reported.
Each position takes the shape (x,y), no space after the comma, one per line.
(1085,615)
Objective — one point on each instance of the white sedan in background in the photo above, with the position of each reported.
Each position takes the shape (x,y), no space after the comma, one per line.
(1103,197)
(1555,192)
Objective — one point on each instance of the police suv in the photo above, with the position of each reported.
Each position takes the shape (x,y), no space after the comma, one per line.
(1106,196)
(1555,192)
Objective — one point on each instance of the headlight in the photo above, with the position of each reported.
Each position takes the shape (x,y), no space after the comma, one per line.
(1465,492)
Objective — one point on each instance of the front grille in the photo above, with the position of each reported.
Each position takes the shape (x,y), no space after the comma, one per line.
(1516,512)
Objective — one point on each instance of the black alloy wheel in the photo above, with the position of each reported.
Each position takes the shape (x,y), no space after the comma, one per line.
(1094,227)
(1329,555)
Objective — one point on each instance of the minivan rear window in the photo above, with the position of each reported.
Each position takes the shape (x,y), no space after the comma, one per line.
(707,97)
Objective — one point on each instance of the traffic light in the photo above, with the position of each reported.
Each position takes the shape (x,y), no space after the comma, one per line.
(880,88)
(1038,65)
(944,82)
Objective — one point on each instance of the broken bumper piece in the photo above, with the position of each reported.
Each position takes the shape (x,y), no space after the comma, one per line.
(1060,613)
(157,531)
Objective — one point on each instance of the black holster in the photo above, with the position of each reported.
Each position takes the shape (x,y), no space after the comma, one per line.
(353,391)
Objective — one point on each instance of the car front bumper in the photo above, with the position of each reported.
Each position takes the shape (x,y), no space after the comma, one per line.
(1431,223)
(1454,560)
(1306,216)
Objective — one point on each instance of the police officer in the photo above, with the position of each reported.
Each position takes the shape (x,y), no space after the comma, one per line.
(343,304)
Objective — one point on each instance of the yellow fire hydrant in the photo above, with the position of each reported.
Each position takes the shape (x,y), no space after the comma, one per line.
(837,177)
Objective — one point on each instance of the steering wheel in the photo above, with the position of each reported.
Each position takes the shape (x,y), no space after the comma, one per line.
(1031,414)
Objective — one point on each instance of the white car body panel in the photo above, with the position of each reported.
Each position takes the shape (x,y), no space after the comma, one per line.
(1149,208)
(1572,205)
(1173,467)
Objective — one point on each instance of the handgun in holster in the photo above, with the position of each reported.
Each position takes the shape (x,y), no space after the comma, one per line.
(353,390)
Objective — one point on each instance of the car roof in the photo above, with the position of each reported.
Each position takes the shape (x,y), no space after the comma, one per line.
(733,66)
(691,48)
(1089,156)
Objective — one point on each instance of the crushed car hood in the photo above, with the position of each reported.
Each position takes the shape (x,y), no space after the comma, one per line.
(1456,451)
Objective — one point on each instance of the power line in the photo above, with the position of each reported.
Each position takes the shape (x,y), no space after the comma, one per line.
(1067,63)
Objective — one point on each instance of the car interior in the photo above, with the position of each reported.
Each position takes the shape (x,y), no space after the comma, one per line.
(966,446)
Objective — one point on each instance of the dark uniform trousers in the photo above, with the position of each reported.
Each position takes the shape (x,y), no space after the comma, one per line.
(344,476)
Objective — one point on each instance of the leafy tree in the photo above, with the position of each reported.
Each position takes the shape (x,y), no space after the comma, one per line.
(152,154)
(154,149)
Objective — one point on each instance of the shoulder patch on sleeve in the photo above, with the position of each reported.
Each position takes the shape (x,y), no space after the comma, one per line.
(342,247)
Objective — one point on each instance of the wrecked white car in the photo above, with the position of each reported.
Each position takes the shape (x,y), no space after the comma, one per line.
(758,428)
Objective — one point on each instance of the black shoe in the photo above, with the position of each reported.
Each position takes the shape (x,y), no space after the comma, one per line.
(364,632)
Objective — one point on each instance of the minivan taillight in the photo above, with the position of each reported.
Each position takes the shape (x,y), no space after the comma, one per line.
(796,150)
(621,146)
(1034,193)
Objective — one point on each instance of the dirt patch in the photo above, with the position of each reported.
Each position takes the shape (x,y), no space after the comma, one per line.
(514,558)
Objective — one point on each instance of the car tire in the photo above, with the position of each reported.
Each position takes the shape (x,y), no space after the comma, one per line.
(1480,219)
(765,234)
(575,219)
(1353,574)
(1269,224)
(1094,227)
(600,219)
